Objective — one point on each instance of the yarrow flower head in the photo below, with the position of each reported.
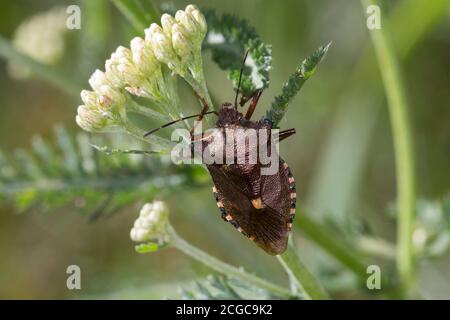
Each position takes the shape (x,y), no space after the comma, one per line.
(152,224)
(145,70)
(40,37)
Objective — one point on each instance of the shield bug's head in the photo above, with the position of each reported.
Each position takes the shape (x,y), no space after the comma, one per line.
(228,115)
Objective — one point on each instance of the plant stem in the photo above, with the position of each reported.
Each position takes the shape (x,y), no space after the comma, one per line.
(403,147)
(301,276)
(52,75)
(225,268)
(134,14)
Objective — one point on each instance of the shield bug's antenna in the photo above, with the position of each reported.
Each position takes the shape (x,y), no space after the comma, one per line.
(175,121)
(240,78)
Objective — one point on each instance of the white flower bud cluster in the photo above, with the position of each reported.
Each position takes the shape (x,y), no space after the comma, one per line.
(103,107)
(152,223)
(40,37)
(178,42)
(140,70)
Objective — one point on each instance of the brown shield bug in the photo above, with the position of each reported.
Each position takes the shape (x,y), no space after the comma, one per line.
(261,207)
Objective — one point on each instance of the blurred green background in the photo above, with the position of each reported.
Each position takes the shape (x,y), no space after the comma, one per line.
(342,155)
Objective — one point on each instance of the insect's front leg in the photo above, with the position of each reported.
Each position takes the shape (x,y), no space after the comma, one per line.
(253,104)
(202,113)
(204,104)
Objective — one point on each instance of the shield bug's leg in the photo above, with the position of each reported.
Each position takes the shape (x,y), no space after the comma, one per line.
(203,112)
(253,104)
(285,134)
(204,104)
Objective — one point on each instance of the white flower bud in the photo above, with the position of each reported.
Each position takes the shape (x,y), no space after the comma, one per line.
(108,97)
(143,56)
(122,56)
(194,22)
(154,28)
(112,74)
(89,98)
(106,100)
(146,210)
(201,21)
(179,28)
(121,70)
(97,79)
(190,8)
(156,210)
(188,22)
(90,119)
(181,42)
(161,45)
(167,21)
(137,46)
(152,224)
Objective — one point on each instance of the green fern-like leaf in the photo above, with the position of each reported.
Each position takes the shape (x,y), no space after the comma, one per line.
(228,39)
(222,288)
(72,173)
(294,84)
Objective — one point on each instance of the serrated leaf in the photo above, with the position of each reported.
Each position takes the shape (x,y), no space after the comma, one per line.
(294,84)
(46,185)
(88,162)
(27,163)
(223,288)
(69,152)
(228,39)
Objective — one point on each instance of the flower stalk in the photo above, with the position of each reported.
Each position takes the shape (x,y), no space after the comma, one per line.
(300,275)
(403,148)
